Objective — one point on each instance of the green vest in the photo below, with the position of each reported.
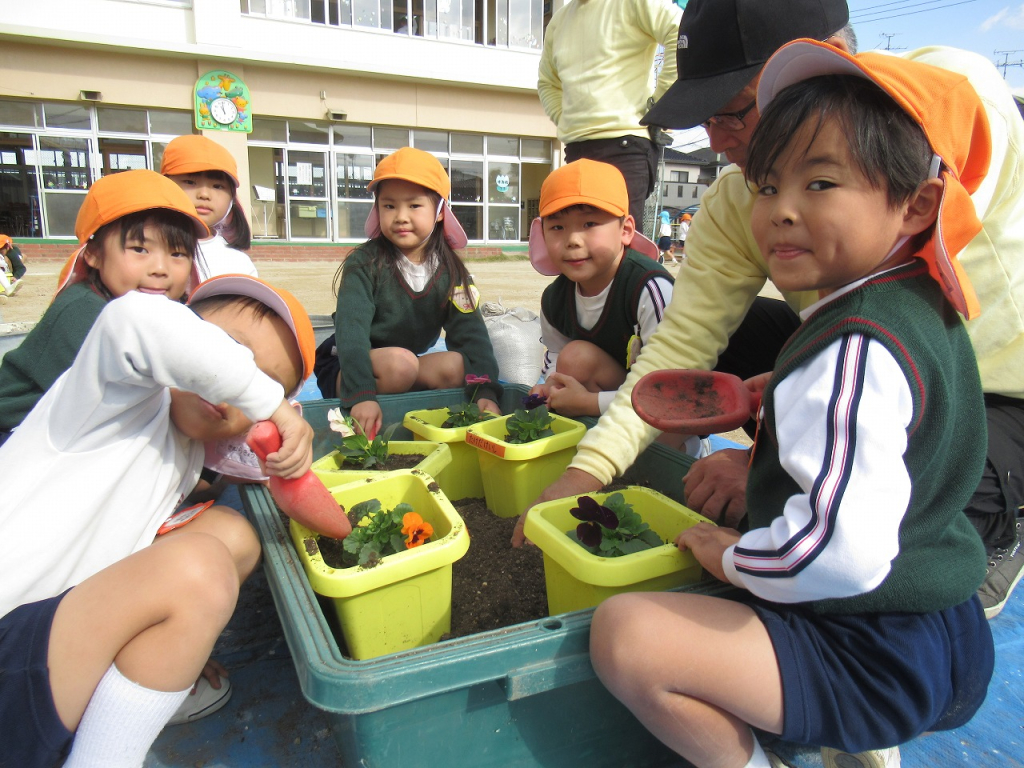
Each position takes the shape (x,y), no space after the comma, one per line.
(941,560)
(618,321)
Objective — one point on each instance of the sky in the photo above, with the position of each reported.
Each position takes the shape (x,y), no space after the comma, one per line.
(982,26)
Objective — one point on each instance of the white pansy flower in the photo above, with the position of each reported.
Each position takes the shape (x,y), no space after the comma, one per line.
(339,423)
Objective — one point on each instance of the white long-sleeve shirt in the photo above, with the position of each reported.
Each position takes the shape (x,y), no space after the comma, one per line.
(219,258)
(97,465)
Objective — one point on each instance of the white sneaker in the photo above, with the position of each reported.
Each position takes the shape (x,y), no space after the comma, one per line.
(15,287)
(203,700)
(876,758)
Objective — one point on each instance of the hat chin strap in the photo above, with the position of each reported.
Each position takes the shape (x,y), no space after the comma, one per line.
(214,230)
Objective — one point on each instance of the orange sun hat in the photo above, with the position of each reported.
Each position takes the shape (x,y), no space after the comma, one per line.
(195,154)
(279,300)
(115,196)
(948,110)
(417,167)
(582,182)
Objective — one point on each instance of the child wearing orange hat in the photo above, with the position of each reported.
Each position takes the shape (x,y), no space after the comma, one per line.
(610,291)
(858,627)
(398,291)
(105,627)
(208,174)
(12,254)
(137,231)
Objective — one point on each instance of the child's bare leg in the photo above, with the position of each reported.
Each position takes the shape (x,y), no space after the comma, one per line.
(697,671)
(155,615)
(591,366)
(233,530)
(441,370)
(394,368)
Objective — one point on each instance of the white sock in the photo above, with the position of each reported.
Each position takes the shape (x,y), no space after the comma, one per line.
(759,759)
(121,722)
(692,446)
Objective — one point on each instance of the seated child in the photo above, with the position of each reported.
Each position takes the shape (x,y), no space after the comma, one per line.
(137,231)
(398,291)
(208,174)
(105,620)
(610,293)
(860,628)
(12,255)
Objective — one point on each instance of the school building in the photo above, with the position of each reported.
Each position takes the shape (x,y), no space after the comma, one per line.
(308,95)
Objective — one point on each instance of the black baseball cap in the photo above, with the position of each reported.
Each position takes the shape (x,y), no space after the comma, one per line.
(723,44)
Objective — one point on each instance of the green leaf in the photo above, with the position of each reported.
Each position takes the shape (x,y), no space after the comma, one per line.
(650,538)
(364,508)
(631,546)
(398,543)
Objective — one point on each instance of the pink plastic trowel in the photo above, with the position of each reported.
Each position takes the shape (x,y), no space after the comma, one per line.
(694,402)
(304,499)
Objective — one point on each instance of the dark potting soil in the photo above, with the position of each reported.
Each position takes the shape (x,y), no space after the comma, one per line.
(494,585)
(395,461)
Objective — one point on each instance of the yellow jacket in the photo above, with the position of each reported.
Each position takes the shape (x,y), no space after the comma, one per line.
(596,67)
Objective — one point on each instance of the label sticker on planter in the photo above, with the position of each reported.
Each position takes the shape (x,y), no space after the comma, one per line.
(485,444)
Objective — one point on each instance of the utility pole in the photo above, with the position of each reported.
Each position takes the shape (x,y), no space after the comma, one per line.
(888,40)
(1006,60)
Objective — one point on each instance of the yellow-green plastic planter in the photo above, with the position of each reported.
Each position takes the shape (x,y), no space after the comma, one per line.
(406,600)
(576,579)
(436,456)
(514,475)
(460,479)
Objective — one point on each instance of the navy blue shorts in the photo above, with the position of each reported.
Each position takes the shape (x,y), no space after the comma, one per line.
(664,242)
(873,681)
(30,729)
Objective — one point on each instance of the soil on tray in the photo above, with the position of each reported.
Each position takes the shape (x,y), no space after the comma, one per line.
(494,585)
(394,461)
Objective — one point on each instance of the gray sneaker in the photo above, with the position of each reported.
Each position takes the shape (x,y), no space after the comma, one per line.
(1005,568)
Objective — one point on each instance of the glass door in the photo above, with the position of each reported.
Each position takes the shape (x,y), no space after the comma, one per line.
(65,167)
(308,204)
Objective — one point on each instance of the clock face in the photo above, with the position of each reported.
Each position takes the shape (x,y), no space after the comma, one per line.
(223,111)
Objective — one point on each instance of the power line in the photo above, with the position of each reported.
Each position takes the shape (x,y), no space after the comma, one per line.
(909,13)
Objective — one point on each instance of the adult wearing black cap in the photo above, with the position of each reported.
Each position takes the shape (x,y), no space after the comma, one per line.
(722,47)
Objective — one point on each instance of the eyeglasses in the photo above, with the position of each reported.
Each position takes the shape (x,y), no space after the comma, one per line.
(730,121)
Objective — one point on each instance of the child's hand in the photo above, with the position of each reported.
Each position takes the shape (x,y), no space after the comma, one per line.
(540,389)
(570,398)
(295,455)
(367,415)
(708,543)
(485,404)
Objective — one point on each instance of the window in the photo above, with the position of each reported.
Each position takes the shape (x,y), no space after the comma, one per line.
(503,23)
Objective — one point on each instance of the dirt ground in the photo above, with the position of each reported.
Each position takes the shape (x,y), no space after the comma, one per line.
(513,283)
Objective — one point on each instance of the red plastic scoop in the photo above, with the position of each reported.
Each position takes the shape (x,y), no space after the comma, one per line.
(694,402)
(304,499)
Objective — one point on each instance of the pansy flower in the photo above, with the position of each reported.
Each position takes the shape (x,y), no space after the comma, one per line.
(534,401)
(594,516)
(416,530)
(339,423)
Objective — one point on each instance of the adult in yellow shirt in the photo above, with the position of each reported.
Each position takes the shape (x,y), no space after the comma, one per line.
(595,83)
(716,305)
